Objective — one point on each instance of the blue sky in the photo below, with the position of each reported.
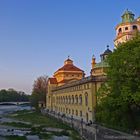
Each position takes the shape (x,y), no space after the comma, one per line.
(36,36)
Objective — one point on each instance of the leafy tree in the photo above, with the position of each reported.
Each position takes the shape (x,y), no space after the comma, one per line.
(119,97)
(39,90)
(12,95)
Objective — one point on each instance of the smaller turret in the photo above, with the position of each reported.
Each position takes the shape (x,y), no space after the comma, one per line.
(93,61)
(105,54)
(99,69)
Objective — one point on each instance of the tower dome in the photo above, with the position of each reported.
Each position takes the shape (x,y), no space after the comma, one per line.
(128,16)
(127,29)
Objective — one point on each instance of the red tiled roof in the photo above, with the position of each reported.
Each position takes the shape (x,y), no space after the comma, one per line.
(69,67)
(53,80)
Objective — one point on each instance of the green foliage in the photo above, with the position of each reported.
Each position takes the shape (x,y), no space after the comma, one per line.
(11,95)
(39,91)
(119,98)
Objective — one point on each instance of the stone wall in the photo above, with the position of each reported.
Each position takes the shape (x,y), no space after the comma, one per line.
(92,131)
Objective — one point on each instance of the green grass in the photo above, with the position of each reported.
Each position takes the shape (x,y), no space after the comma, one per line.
(36,118)
(15,124)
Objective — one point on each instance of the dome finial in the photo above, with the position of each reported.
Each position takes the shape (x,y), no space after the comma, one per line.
(68,56)
(107,46)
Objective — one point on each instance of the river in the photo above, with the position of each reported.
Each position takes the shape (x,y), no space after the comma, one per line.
(6,109)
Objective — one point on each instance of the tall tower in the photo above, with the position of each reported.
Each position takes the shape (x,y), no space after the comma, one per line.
(127,28)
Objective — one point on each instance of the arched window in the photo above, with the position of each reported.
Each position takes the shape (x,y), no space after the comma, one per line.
(72,99)
(120,30)
(66,110)
(80,99)
(69,111)
(87,117)
(86,98)
(69,100)
(66,99)
(76,112)
(80,113)
(63,99)
(135,27)
(72,112)
(76,99)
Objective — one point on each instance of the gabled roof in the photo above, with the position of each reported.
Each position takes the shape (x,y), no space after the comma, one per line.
(52,80)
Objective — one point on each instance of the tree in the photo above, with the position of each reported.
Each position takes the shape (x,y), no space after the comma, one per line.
(39,90)
(12,95)
(119,104)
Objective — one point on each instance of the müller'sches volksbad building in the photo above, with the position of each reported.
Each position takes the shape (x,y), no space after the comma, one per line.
(73,94)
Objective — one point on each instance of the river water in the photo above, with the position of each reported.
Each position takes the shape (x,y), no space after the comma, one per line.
(6,109)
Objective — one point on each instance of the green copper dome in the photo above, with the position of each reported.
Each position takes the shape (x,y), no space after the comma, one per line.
(102,64)
(128,16)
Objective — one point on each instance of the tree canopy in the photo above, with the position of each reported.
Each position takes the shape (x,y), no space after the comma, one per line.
(39,90)
(12,95)
(119,98)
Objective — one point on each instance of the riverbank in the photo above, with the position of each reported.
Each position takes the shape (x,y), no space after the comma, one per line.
(43,127)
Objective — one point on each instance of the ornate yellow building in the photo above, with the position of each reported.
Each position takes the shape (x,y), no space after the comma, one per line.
(74,95)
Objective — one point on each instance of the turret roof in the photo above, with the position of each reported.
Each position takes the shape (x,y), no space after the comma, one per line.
(128,16)
(107,51)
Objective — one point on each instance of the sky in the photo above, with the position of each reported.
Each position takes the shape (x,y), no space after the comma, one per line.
(36,36)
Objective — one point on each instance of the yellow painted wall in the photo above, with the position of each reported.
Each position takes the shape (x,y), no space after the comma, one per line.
(55,101)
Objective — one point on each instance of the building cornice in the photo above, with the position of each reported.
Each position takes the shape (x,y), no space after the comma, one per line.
(82,81)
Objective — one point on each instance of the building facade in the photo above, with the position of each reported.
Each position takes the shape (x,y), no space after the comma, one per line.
(127,29)
(73,95)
